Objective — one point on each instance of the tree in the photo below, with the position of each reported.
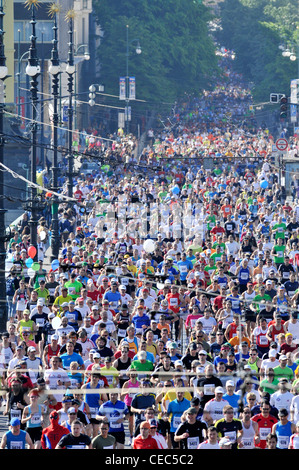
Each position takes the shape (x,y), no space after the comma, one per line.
(254,29)
(178,55)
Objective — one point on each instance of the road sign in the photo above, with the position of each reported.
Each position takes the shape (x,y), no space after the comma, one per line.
(281,144)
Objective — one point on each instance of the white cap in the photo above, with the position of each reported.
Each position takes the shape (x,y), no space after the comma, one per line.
(230,383)
(219,390)
(224,441)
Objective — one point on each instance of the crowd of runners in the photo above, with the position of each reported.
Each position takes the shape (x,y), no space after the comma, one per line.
(170,318)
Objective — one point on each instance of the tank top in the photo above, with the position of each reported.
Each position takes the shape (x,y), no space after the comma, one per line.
(283,433)
(261,339)
(293,328)
(129,396)
(123,366)
(52,353)
(282,306)
(276,332)
(92,400)
(16,442)
(35,420)
(243,275)
(253,365)
(248,298)
(16,412)
(248,437)
(222,281)
(121,329)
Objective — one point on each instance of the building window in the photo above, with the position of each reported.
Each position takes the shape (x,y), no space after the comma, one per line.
(43,31)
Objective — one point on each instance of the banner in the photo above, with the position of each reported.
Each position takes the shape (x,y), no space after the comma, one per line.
(122,88)
(132,88)
(294,100)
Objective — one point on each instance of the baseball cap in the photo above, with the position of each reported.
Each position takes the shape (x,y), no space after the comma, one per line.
(224,441)
(230,383)
(272,353)
(71,410)
(153,423)
(219,390)
(178,363)
(15,422)
(192,411)
(145,424)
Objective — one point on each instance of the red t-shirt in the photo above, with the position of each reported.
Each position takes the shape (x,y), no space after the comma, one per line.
(265,428)
(148,443)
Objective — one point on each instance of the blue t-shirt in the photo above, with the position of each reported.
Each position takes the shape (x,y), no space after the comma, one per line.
(113,297)
(68,358)
(113,412)
(16,442)
(184,267)
(232,400)
(176,409)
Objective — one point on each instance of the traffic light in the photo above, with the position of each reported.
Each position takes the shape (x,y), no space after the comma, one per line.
(283,107)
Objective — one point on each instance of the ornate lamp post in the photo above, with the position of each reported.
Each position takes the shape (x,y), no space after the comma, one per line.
(3,238)
(54,70)
(70,70)
(33,71)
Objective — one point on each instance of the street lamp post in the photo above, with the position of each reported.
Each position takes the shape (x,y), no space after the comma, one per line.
(138,51)
(86,57)
(3,76)
(33,71)
(54,70)
(70,70)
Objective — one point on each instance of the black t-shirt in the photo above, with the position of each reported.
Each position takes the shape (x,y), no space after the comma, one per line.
(223,427)
(69,441)
(208,385)
(77,349)
(40,320)
(285,270)
(188,359)
(195,432)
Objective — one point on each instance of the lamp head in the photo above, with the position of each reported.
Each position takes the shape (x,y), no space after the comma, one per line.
(3,72)
(32,70)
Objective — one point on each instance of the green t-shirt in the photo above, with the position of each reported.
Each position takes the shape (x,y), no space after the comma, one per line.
(211,222)
(60,300)
(222,246)
(279,230)
(258,298)
(216,257)
(285,372)
(279,253)
(44,294)
(269,387)
(99,442)
(145,366)
(74,288)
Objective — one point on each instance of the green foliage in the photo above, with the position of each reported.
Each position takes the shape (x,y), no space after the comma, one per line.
(254,29)
(177,56)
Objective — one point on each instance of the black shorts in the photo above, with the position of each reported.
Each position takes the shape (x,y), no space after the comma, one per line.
(120,437)
(250,317)
(175,445)
(94,421)
(35,433)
